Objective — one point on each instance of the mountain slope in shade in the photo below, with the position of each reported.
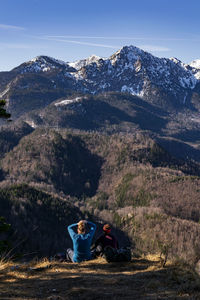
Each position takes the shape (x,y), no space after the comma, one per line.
(111,112)
(114,112)
(64,163)
(38,218)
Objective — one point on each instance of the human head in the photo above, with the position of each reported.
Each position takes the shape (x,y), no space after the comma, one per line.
(81,227)
(107,228)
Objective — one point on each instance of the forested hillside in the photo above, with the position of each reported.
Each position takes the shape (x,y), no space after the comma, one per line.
(128,180)
(39,220)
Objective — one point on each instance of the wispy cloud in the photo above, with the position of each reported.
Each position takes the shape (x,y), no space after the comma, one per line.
(85,37)
(150,48)
(121,38)
(11,27)
(80,42)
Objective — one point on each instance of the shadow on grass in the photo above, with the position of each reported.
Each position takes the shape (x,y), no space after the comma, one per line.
(98,280)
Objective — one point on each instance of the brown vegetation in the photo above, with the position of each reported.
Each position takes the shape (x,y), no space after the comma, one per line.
(122,179)
(142,278)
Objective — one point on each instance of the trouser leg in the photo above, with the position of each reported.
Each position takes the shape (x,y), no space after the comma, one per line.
(69,254)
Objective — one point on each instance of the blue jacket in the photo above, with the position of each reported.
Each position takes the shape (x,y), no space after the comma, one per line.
(81,242)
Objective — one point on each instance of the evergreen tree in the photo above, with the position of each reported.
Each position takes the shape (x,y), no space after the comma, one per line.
(3,112)
(4,244)
(4,227)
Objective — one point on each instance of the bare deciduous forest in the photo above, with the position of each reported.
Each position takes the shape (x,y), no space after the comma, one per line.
(128,180)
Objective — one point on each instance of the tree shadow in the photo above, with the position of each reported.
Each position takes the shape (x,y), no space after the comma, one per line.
(179,149)
(78,170)
(188,136)
(100,281)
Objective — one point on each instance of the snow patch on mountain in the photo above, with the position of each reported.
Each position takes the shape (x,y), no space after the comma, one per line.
(195,119)
(31,123)
(68,101)
(2,94)
(195,64)
(48,59)
(43,64)
(197,75)
(132,91)
(188,82)
(83,62)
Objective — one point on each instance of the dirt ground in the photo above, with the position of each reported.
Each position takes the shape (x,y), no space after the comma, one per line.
(142,278)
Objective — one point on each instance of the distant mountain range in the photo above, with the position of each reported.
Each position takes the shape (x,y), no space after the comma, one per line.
(131,90)
(165,82)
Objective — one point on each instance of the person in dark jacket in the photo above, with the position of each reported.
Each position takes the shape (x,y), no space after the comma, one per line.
(108,247)
(105,240)
(81,241)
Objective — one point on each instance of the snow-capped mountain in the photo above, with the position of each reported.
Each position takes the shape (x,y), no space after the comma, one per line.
(135,71)
(130,70)
(41,64)
(164,82)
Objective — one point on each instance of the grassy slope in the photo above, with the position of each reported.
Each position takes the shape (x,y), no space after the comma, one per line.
(142,278)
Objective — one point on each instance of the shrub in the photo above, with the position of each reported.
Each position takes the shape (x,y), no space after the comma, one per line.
(4,243)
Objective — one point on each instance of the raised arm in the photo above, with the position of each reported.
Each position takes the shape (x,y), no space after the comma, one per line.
(70,229)
(92,228)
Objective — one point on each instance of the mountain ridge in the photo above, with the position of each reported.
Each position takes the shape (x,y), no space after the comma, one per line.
(164,82)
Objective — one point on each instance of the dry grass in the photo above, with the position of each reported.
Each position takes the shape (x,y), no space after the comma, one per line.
(142,278)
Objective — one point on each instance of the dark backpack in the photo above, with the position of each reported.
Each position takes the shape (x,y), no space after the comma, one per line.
(117,255)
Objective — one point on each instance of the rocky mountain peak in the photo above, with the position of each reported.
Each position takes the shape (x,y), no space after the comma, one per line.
(137,72)
(48,60)
(129,53)
(42,64)
(84,62)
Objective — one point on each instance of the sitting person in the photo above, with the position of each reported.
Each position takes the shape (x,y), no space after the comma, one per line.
(105,240)
(108,247)
(81,241)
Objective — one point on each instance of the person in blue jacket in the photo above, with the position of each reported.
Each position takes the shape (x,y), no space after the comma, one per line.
(82,241)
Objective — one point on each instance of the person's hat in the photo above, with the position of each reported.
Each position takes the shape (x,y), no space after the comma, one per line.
(106,228)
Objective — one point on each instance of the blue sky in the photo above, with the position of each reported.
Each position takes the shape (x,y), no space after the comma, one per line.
(73,29)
